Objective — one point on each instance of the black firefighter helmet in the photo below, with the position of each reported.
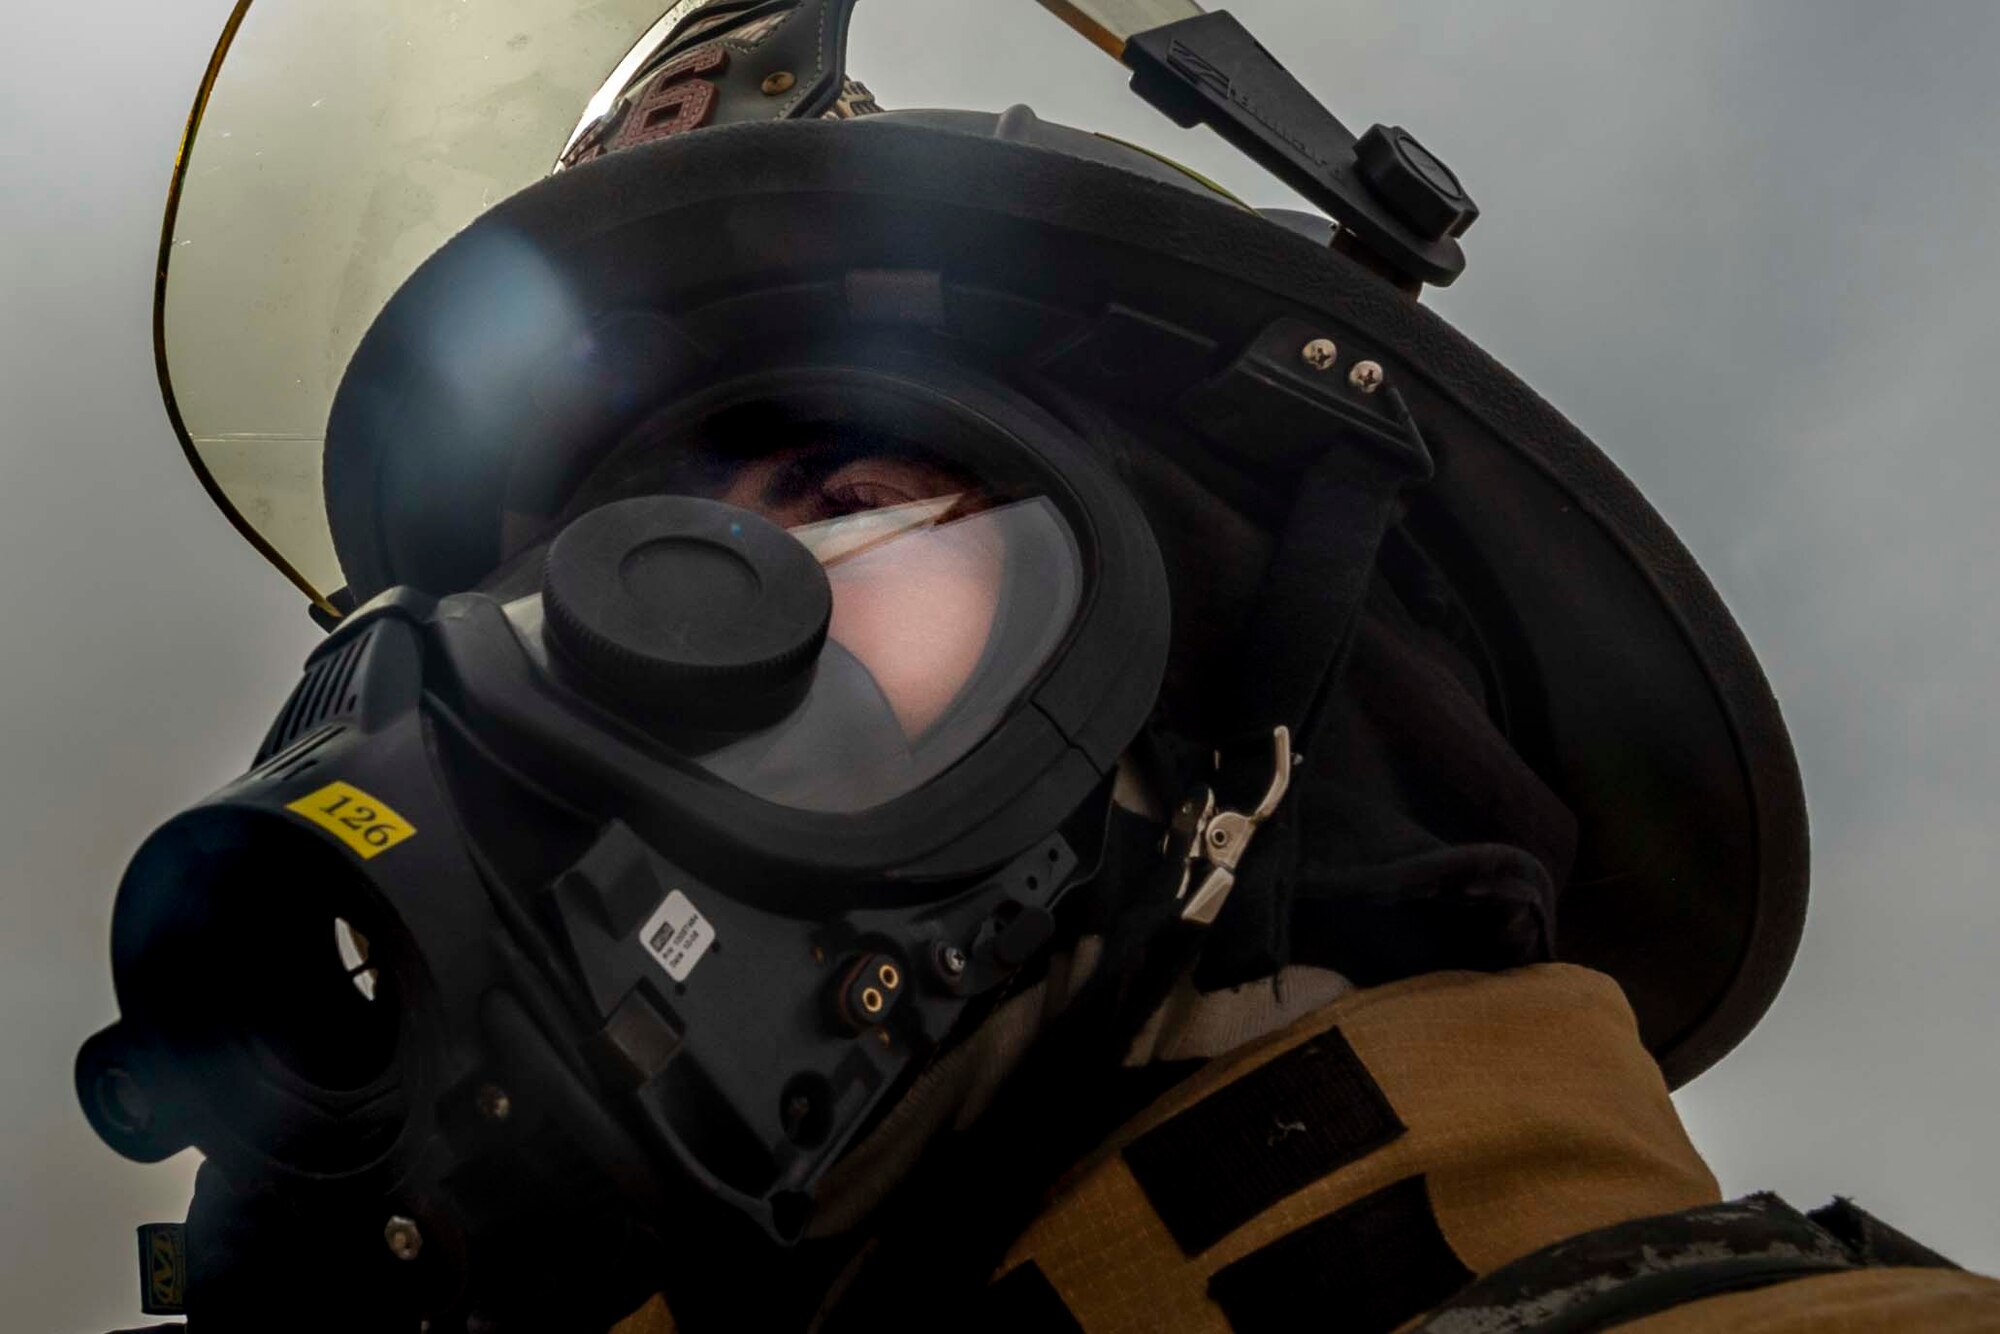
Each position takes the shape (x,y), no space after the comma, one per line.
(426,278)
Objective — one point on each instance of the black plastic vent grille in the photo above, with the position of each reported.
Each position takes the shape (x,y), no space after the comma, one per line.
(298,757)
(327,691)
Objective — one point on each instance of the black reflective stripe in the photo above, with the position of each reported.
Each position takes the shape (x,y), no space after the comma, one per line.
(1607,1278)
(1873,1242)
(1019,1301)
(1651,1294)
(1363,1270)
(1251,1143)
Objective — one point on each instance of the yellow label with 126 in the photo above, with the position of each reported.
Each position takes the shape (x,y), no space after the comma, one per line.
(355,818)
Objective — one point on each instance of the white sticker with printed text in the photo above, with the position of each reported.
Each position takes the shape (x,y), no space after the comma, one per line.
(678,935)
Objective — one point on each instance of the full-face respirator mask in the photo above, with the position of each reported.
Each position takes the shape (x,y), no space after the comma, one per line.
(675,863)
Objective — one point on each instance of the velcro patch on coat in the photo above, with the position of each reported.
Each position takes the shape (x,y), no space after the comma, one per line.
(1023,1299)
(1368,1267)
(1250,1143)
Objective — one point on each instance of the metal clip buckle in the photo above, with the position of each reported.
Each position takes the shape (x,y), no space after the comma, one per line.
(1222,837)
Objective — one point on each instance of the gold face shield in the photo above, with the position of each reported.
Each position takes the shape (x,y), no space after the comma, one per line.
(332,149)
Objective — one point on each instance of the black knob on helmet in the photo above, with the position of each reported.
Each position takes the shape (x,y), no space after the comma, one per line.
(689,612)
(1414,183)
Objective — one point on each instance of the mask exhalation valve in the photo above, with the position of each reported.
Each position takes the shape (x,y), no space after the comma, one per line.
(691,612)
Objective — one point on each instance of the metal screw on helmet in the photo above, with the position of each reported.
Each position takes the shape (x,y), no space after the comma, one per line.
(403,1238)
(1320,354)
(952,960)
(781,82)
(494,1104)
(1366,376)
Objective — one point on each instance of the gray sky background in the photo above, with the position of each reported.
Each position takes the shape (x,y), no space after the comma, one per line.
(1749,249)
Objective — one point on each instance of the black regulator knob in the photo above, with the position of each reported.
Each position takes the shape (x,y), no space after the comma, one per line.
(1414,183)
(686,612)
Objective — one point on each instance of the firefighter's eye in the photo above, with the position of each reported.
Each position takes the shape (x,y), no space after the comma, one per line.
(854,496)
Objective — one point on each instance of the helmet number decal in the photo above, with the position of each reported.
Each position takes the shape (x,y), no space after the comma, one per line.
(364,824)
(677,99)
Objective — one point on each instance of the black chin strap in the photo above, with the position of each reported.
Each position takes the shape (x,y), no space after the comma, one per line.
(1313,591)
(1290,660)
